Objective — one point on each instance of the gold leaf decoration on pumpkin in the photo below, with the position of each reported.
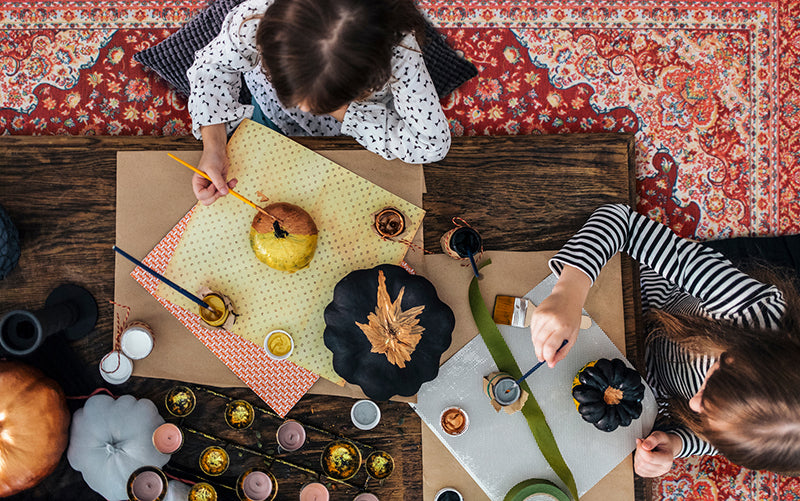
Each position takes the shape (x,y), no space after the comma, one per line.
(390,330)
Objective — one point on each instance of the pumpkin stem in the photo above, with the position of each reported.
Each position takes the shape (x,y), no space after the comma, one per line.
(279,232)
(612,396)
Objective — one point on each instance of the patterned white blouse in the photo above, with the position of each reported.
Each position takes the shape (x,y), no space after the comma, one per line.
(677,276)
(402,120)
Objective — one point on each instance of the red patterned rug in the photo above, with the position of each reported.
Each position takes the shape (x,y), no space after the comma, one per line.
(710,89)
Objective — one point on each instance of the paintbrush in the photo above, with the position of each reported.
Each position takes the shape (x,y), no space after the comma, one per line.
(520,380)
(178,288)
(204,175)
(517,312)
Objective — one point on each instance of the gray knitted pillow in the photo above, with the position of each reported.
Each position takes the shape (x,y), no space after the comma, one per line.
(174,55)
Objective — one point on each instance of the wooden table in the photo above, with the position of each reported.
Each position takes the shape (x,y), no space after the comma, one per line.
(525,192)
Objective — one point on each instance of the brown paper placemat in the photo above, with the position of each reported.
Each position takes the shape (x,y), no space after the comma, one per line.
(153,194)
(515,274)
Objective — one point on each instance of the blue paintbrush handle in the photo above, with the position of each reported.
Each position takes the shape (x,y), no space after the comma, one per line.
(520,380)
(164,279)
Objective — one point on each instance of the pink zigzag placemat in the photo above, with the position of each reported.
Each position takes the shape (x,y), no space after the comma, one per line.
(279,383)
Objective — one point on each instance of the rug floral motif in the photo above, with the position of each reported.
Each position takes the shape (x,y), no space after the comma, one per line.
(710,89)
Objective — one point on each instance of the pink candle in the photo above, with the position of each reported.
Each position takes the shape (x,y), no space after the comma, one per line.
(257,486)
(291,435)
(167,438)
(314,492)
(147,486)
(366,496)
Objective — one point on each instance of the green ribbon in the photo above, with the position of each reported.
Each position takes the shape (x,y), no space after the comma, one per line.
(505,362)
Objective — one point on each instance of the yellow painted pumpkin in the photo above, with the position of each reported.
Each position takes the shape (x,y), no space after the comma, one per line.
(34,426)
(286,239)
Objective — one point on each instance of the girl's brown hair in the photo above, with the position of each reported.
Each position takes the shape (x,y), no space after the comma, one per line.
(328,53)
(751,403)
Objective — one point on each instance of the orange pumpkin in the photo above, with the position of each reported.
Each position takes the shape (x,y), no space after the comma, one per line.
(34,426)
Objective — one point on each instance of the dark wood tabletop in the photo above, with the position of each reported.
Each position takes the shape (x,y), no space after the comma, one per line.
(525,193)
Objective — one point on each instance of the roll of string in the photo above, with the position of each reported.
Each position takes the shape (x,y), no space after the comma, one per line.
(536,489)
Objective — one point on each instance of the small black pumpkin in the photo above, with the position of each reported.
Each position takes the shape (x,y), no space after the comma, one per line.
(608,393)
(387,330)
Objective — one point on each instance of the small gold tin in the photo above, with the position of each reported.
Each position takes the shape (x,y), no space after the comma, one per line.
(180,401)
(379,465)
(239,414)
(221,313)
(341,460)
(214,461)
(202,491)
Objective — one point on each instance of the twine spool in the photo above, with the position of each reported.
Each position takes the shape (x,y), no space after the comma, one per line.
(459,241)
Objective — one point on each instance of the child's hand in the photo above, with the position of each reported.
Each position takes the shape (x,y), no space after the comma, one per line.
(214,162)
(558,317)
(654,455)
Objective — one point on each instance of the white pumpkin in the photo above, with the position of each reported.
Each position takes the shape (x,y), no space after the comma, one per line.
(109,439)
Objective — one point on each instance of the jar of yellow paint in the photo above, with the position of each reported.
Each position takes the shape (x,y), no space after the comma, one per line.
(279,344)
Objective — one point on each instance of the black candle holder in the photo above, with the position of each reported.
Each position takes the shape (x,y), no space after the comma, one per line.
(69,309)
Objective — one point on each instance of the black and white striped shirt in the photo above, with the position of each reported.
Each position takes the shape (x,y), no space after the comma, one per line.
(677,276)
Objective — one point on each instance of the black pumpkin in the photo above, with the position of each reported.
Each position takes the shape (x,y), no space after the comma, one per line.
(353,315)
(608,394)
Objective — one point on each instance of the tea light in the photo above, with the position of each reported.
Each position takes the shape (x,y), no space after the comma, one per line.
(147,486)
(137,341)
(366,496)
(314,492)
(291,435)
(255,485)
(365,414)
(454,421)
(279,344)
(147,483)
(115,367)
(167,438)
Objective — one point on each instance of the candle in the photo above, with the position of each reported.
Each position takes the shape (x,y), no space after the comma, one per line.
(506,391)
(279,344)
(147,486)
(116,368)
(366,496)
(167,438)
(137,341)
(314,492)
(291,435)
(256,485)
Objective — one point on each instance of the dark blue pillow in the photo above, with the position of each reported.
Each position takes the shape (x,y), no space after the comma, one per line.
(174,55)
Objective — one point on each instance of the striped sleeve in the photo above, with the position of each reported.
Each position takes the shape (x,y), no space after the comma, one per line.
(724,291)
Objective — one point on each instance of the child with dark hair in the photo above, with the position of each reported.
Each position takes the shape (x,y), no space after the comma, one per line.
(322,68)
(723,349)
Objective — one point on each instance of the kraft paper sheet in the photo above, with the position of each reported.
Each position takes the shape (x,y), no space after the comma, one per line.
(214,250)
(514,274)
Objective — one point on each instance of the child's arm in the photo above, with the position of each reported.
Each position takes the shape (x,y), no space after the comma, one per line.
(215,76)
(412,125)
(725,292)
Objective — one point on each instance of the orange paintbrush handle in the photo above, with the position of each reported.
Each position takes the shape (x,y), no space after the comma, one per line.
(203,174)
